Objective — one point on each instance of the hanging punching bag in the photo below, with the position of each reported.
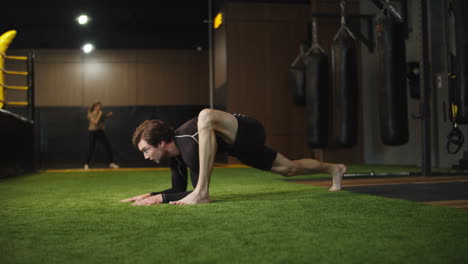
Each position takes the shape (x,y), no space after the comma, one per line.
(391,59)
(345,86)
(297,70)
(317,98)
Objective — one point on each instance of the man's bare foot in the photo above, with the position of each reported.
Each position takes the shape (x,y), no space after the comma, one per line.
(337,175)
(193,198)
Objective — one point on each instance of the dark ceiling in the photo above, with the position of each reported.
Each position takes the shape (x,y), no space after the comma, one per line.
(114,25)
(117,24)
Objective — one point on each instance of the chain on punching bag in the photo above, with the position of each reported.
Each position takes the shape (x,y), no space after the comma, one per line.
(317,86)
(391,58)
(345,84)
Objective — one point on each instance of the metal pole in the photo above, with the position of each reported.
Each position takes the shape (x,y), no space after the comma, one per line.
(426,93)
(210,51)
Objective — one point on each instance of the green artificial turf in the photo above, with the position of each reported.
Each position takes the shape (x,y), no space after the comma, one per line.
(255,217)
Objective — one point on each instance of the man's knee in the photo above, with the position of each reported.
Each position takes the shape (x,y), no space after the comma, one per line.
(206,119)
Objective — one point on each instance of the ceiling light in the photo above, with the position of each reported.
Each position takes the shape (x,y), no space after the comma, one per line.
(82,19)
(87,48)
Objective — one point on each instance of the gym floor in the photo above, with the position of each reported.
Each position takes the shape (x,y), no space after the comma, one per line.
(74,216)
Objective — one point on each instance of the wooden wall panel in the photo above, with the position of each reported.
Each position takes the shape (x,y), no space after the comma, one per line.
(173,77)
(198,89)
(110,56)
(247,68)
(164,56)
(262,41)
(162,84)
(148,79)
(110,83)
(175,84)
(121,77)
(58,56)
(59,84)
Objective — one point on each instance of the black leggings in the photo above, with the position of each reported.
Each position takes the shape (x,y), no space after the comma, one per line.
(98,135)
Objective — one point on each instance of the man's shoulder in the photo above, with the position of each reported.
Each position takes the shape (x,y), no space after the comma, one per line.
(188,127)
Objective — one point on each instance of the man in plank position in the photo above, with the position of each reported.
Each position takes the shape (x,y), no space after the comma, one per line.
(194,145)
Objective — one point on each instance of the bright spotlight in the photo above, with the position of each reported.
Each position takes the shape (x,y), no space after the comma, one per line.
(87,48)
(83,19)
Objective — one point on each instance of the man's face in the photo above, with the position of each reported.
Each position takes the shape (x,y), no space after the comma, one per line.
(152,152)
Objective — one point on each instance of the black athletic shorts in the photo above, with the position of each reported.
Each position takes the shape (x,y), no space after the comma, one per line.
(249,146)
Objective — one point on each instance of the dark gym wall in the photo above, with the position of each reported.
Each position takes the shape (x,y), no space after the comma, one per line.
(134,84)
(16,141)
(61,133)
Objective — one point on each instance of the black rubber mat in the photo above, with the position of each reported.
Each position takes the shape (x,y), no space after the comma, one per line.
(418,192)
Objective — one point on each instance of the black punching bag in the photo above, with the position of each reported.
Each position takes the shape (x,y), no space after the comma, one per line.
(345,88)
(317,98)
(391,59)
(298,74)
(317,86)
(460,89)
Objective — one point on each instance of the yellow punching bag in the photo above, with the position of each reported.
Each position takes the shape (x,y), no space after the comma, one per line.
(5,41)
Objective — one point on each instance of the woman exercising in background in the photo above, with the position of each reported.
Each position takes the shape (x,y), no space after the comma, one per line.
(96,133)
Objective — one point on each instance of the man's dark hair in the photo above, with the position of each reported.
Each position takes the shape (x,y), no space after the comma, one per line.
(153,132)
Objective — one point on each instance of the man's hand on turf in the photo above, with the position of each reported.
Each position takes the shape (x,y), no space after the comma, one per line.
(156,199)
(137,198)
